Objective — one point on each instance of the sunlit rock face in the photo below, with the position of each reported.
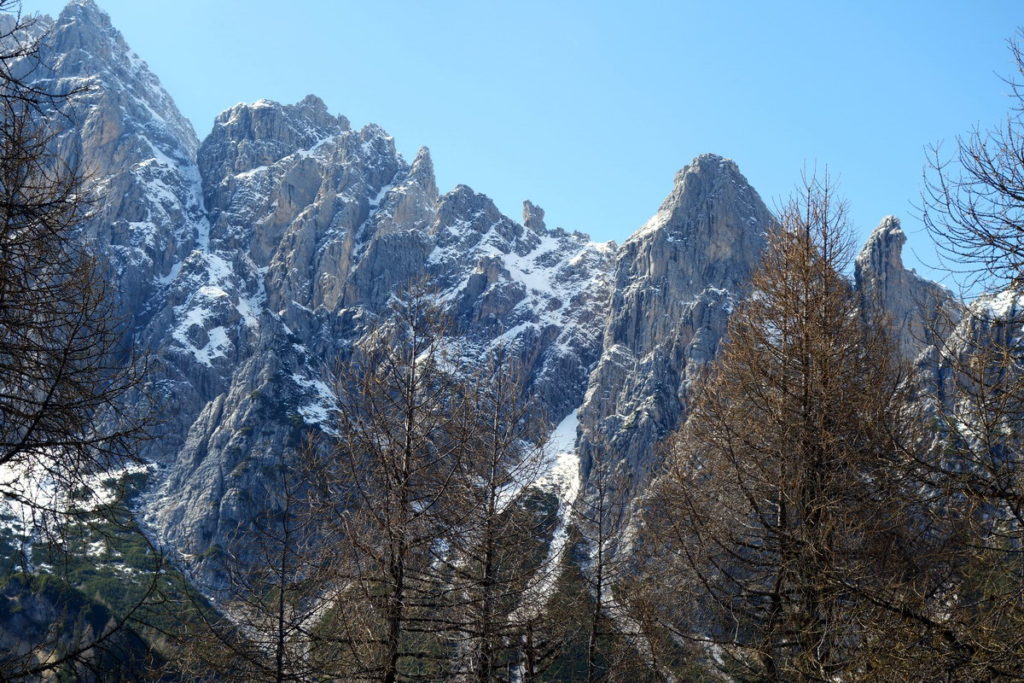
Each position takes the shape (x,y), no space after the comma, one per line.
(674,284)
(253,263)
(919,314)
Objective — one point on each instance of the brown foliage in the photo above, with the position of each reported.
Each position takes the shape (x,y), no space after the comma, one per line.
(780,526)
(68,401)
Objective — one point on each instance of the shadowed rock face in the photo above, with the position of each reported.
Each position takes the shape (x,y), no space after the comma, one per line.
(674,285)
(253,263)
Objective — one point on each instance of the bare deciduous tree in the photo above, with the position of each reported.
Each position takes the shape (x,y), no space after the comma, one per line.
(973,203)
(273,588)
(61,382)
(615,645)
(974,209)
(68,402)
(384,493)
(494,549)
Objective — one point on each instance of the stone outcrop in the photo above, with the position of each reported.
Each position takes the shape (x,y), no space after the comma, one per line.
(675,282)
(919,313)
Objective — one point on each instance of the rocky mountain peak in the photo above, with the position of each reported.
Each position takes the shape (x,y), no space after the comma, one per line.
(707,169)
(707,182)
(462,205)
(411,201)
(127,133)
(421,172)
(533,217)
(883,251)
(248,136)
(707,166)
(708,232)
(84,49)
(87,11)
(676,280)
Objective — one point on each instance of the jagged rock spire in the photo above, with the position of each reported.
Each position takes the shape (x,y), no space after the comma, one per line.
(533,217)
(918,312)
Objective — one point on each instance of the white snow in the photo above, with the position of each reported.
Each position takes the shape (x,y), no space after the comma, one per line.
(215,289)
(653,224)
(324,402)
(563,479)
(255,170)
(549,272)
(171,275)
(216,347)
(563,469)
(379,197)
(249,308)
(212,292)
(1005,304)
(219,268)
(34,493)
(197,316)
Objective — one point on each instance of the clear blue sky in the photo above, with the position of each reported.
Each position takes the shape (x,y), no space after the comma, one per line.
(589,108)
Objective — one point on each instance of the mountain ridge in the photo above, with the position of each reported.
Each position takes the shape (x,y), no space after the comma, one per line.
(251,261)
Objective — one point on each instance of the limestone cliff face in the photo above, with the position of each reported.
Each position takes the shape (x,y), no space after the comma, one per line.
(675,282)
(128,138)
(252,263)
(307,248)
(919,313)
(310,236)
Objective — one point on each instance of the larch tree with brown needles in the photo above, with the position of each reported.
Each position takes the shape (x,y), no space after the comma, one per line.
(776,534)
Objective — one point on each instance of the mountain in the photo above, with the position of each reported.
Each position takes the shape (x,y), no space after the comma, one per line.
(252,263)
(674,284)
(920,314)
